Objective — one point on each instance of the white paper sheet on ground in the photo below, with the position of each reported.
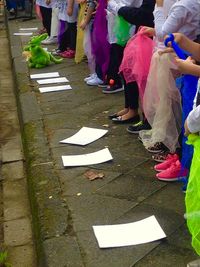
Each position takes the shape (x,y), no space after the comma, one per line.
(53,80)
(44,75)
(28,29)
(54,88)
(22,33)
(135,233)
(85,136)
(87,159)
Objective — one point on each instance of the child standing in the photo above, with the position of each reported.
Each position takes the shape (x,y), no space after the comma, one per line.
(80,33)
(113,82)
(162,100)
(46,12)
(87,26)
(68,12)
(142,15)
(192,129)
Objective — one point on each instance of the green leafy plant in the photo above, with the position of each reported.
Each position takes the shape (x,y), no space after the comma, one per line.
(3,259)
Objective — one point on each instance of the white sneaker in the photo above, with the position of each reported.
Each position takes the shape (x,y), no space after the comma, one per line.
(90,77)
(50,40)
(94,81)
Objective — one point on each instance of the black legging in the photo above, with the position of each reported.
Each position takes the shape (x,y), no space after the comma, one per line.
(46,18)
(68,38)
(131,94)
(116,55)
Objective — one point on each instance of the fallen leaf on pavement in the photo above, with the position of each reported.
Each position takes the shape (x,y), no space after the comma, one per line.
(92,175)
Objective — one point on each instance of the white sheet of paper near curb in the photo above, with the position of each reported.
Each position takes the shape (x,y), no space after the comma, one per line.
(53,80)
(44,75)
(87,159)
(23,33)
(28,29)
(85,136)
(120,235)
(54,88)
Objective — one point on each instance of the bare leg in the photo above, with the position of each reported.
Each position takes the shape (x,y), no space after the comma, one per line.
(130,114)
(123,112)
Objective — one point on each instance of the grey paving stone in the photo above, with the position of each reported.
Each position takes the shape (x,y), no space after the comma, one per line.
(5,84)
(19,65)
(13,171)
(8,103)
(17,232)
(167,255)
(130,256)
(15,199)
(48,207)
(181,238)
(112,257)
(168,219)
(68,108)
(68,256)
(10,129)
(80,184)
(91,209)
(60,134)
(12,150)
(170,197)
(35,143)
(137,185)
(30,108)
(22,256)
(120,163)
(11,116)
(16,51)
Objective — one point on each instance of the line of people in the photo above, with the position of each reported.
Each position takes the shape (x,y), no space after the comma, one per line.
(123,41)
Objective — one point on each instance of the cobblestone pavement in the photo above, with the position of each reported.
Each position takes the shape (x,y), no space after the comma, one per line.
(15,218)
(65,204)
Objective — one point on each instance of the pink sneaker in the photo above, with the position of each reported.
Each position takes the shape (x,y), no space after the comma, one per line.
(173,173)
(68,54)
(167,163)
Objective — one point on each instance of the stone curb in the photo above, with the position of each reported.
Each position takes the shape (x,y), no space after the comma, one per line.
(49,212)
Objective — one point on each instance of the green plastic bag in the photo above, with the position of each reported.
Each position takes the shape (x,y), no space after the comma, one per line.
(192,199)
(121,30)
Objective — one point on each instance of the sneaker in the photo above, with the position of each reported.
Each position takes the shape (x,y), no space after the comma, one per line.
(112,89)
(12,11)
(68,54)
(135,128)
(56,52)
(173,173)
(156,148)
(50,40)
(167,163)
(161,156)
(90,77)
(94,81)
(103,85)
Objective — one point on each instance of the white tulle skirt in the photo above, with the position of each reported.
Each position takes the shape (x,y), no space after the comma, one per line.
(162,103)
(87,45)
